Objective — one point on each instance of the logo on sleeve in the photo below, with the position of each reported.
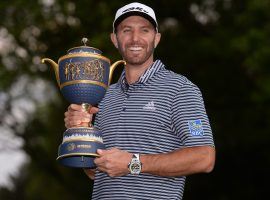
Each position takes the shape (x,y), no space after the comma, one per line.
(195,127)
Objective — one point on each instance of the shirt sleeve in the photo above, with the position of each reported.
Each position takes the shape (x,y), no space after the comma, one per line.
(189,117)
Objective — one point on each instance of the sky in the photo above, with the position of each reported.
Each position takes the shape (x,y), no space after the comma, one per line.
(24,97)
(11,162)
(11,156)
(20,100)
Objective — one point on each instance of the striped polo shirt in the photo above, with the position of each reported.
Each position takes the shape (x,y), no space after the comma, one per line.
(161,112)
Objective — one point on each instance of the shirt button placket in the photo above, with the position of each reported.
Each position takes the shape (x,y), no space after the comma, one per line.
(125,102)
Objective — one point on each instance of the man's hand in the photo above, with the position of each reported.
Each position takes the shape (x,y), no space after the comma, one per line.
(77,116)
(90,173)
(114,162)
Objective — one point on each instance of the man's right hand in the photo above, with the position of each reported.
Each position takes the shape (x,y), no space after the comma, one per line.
(76,116)
(90,173)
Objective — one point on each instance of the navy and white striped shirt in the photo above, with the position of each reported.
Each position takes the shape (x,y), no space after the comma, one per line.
(161,112)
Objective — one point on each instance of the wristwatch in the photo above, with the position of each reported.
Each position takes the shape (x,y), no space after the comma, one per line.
(135,165)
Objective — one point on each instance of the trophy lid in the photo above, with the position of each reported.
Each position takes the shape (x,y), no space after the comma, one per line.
(84,49)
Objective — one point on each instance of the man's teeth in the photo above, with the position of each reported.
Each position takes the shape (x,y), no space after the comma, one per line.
(135,48)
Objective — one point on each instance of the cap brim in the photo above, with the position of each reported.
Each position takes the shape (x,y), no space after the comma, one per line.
(133,13)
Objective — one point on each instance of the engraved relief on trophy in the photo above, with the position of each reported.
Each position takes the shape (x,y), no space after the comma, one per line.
(89,70)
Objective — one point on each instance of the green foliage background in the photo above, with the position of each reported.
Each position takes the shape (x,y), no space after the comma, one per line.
(222,46)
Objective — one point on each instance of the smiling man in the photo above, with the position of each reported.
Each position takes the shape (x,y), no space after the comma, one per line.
(154,124)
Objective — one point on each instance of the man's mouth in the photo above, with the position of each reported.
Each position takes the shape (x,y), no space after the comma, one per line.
(135,48)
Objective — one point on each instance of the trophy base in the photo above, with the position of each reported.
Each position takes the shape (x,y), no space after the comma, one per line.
(79,147)
(78,162)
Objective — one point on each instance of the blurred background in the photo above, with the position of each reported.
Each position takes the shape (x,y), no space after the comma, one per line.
(223,46)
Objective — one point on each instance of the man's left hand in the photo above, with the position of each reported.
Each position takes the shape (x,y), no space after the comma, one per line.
(114,162)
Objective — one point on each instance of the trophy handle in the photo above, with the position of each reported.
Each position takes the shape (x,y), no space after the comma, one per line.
(54,65)
(112,68)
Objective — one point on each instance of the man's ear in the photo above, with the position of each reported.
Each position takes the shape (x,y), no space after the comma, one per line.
(114,40)
(157,39)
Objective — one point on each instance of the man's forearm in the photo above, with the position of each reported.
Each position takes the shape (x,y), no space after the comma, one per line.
(180,162)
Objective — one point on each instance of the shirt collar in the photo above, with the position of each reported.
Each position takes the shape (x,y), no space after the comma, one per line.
(149,73)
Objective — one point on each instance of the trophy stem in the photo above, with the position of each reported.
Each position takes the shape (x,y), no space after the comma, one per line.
(86,107)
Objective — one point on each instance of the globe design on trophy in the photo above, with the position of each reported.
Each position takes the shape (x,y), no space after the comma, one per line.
(83,75)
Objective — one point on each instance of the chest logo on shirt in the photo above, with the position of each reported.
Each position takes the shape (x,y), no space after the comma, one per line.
(195,127)
(149,106)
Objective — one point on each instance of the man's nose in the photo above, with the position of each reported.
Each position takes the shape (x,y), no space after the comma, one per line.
(135,36)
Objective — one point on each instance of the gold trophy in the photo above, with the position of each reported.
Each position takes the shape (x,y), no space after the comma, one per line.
(83,76)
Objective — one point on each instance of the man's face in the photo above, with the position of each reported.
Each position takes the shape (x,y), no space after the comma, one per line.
(136,39)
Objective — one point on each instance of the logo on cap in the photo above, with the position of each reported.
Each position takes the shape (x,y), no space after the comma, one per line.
(135,9)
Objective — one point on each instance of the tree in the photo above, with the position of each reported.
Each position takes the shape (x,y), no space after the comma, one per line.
(221,45)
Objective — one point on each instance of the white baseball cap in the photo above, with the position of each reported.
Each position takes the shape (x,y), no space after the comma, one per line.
(135,9)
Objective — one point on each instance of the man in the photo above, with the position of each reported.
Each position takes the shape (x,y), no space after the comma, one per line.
(153,121)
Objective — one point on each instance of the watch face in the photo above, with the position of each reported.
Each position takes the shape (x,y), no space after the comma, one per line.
(135,167)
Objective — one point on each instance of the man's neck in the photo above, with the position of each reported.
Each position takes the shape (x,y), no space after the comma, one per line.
(134,72)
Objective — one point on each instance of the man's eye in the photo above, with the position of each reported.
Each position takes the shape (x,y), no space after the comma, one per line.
(126,30)
(145,30)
